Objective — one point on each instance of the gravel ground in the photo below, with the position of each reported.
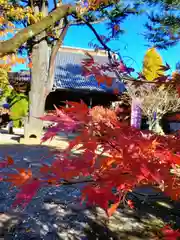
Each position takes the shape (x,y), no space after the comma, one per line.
(55,212)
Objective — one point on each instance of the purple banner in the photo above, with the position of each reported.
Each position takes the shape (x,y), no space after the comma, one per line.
(136,114)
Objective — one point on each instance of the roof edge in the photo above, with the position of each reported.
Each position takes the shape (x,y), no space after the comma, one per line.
(83,50)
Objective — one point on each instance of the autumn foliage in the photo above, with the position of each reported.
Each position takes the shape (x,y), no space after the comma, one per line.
(113,157)
(100,114)
(110,158)
(9,15)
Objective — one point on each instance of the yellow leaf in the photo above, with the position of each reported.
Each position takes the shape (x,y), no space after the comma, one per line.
(10,24)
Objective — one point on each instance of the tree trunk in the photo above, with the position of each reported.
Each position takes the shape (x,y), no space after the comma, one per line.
(38,93)
(151,124)
(154,125)
(42,81)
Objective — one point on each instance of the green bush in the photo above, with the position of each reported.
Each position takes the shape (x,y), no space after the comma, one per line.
(18,107)
(4,85)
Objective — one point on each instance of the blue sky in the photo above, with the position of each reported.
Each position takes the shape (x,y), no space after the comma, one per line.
(131,45)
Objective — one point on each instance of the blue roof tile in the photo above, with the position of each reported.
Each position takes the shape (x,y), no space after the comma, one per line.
(68,73)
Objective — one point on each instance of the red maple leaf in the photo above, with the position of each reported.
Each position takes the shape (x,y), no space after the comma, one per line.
(78,111)
(113,208)
(130,204)
(98,196)
(109,81)
(169,233)
(100,79)
(27,192)
(110,157)
(21,177)
(7,162)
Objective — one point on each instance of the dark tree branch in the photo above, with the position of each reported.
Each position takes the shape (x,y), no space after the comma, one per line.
(77,23)
(77,182)
(12,45)
(106,48)
(55,4)
(31,4)
(119,76)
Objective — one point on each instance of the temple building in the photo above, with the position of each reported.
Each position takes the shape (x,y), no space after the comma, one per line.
(69,82)
(71,85)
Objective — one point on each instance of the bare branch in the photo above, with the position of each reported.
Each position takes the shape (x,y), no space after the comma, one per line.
(159,100)
(77,23)
(31,4)
(55,4)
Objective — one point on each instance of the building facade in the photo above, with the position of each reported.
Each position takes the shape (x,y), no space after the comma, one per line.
(69,81)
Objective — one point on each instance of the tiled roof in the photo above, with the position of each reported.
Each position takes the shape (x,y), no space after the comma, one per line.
(23,76)
(68,73)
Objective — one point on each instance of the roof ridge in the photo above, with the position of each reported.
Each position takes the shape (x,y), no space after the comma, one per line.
(83,50)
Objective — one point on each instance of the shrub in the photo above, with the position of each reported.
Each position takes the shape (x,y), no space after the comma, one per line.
(18,108)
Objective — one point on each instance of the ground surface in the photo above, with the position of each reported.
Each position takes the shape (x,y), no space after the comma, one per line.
(55,213)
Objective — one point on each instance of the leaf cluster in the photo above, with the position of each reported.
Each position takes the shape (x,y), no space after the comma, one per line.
(112,159)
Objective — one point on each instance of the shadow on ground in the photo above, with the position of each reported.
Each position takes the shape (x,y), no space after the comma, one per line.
(61,223)
(55,213)
(25,150)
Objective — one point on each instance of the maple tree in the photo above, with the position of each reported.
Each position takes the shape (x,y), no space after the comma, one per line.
(113,159)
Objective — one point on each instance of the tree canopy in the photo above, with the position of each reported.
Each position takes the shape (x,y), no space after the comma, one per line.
(164,24)
(24,22)
(24,14)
